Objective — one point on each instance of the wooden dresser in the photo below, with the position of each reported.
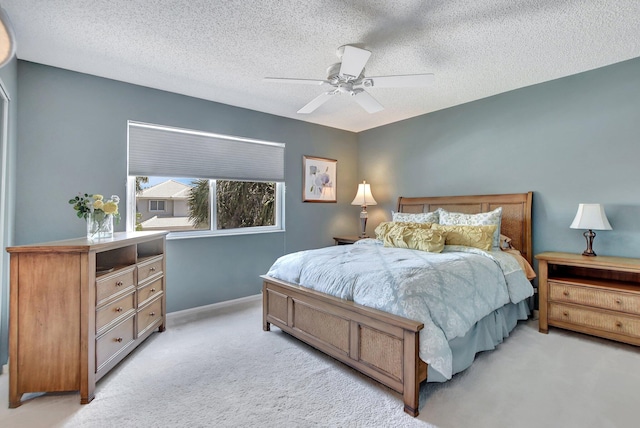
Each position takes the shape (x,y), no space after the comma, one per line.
(78,307)
(594,295)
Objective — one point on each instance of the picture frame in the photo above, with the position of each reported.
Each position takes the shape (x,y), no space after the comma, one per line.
(319,179)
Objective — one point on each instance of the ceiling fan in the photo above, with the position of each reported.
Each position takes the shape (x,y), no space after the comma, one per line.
(347,77)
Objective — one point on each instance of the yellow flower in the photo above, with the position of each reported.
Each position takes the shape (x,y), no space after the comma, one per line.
(98,197)
(110,208)
(98,204)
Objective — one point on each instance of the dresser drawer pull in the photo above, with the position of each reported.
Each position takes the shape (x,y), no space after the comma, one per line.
(153,290)
(119,284)
(618,301)
(618,324)
(119,339)
(565,313)
(566,293)
(152,314)
(152,269)
(118,309)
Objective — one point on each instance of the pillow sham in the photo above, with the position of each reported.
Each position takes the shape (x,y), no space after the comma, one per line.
(489,218)
(431,217)
(470,236)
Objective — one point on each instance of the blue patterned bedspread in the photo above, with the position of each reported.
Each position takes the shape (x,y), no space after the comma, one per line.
(448,292)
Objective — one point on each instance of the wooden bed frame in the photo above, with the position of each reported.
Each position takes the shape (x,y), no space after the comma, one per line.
(378,344)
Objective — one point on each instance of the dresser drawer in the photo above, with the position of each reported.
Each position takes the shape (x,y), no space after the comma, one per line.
(148,315)
(150,291)
(113,341)
(601,320)
(118,282)
(111,312)
(615,301)
(150,268)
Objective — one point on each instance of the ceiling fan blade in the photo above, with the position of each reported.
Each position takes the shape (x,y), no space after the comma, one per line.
(367,102)
(353,61)
(296,81)
(315,103)
(406,81)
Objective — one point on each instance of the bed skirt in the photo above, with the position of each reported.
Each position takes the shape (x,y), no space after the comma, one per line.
(485,335)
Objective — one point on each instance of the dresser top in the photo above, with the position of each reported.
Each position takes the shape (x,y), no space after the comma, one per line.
(84,245)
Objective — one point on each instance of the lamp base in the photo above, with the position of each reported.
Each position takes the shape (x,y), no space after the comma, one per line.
(589,235)
(363,223)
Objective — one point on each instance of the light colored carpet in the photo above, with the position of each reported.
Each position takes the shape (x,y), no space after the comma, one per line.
(220,369)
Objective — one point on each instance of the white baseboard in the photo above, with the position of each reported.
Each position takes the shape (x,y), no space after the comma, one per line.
(192,314)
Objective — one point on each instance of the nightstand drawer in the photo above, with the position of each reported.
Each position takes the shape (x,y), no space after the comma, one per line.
(600,320)
(615,301)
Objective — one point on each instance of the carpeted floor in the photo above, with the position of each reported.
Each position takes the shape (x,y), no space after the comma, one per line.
(219,369)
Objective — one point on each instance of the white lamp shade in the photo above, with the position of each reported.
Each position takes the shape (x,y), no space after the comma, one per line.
(7,39)
(364,196)
(591,216)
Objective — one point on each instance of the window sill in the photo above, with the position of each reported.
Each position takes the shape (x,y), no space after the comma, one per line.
(213,234)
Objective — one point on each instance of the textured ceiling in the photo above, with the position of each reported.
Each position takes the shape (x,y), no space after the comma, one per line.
(221,50)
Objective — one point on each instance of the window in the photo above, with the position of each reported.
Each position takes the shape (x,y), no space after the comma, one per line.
(237,186)
(156,205)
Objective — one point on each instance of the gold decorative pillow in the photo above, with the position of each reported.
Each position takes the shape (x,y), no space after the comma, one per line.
(415,236)
(386,227)
(469,236)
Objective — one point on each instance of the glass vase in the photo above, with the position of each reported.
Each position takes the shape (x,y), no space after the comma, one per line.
(99,225)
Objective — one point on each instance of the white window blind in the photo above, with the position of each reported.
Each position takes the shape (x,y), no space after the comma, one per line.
(156,150)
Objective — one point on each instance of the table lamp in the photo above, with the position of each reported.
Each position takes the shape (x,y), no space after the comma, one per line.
(590,217)
(364,198)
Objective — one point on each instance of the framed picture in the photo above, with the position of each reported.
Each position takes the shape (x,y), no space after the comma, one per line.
(319,179)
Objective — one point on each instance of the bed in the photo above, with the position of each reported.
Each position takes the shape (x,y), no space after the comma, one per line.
(379,344)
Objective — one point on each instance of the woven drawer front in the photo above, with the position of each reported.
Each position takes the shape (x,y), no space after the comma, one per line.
(616,323)
(616,301)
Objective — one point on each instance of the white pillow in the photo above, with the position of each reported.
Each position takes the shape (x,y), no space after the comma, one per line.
(431,217)
(491,217)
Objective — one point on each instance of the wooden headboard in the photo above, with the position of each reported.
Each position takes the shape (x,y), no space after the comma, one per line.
(516,213)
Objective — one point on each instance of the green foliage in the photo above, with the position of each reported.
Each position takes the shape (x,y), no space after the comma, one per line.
(245,204)
(239,204)
(139,182)
(82,204)
(199,204)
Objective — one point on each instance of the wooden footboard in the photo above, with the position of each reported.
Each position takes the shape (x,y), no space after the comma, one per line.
(380,345)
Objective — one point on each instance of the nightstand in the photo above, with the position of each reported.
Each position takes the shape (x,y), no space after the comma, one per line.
(594,295)
(346,240)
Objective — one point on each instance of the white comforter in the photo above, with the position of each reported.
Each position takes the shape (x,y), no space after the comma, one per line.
(448,292)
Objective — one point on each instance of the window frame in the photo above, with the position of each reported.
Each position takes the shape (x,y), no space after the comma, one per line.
(212,231)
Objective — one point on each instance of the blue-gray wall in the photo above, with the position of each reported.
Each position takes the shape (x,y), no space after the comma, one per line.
(72,131)
(9,76)
(571,140)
